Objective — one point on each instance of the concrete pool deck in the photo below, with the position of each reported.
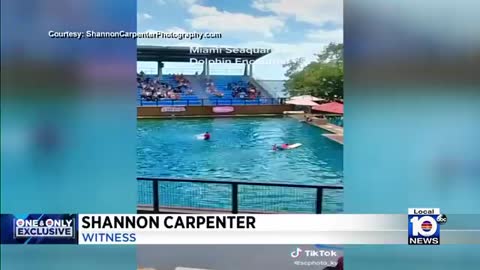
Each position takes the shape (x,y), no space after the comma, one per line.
(335,137)
(336,131)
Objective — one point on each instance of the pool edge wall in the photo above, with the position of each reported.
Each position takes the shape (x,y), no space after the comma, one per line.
(208,111)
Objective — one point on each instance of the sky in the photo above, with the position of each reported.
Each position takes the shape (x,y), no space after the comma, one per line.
(290,28)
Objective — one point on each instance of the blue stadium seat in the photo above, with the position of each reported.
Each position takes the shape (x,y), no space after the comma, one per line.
(185,100)
(221,83)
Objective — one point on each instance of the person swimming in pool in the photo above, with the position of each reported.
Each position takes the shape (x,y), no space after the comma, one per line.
(206,136)
(282,147)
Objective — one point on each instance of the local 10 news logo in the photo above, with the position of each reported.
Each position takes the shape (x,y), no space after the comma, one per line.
(49,228)
(424,226)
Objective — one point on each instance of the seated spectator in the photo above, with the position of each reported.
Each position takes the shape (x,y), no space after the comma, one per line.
(156,95)
(144,94)
(212,89)
(177,90)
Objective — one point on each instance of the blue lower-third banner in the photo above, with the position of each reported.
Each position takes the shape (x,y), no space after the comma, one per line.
(34,229)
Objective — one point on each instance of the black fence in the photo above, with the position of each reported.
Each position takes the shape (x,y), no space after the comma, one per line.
(234,196)
(212,102)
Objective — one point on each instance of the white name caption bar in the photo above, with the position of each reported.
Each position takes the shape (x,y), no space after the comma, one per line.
(424,211)
(242,229)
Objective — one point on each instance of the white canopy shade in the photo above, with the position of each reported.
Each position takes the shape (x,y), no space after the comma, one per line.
(302,102)
(307,97)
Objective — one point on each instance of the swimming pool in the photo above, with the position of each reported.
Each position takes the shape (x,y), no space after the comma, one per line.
(240,149)
(336,120)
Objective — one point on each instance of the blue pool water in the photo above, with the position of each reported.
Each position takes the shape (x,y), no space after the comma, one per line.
(336,120)
(240,149)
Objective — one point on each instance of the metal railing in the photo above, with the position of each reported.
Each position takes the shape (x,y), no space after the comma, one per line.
(235,188)
(212,102)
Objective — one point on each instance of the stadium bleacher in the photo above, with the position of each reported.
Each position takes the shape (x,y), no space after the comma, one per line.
(199,88)
(183,100)
(222,82)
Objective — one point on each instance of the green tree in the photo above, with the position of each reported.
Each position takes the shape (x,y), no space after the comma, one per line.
(333,53)
(293,66)
(321,78)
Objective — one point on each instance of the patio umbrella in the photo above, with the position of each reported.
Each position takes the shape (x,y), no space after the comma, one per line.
(302,102)
(307,97)
(331,107)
